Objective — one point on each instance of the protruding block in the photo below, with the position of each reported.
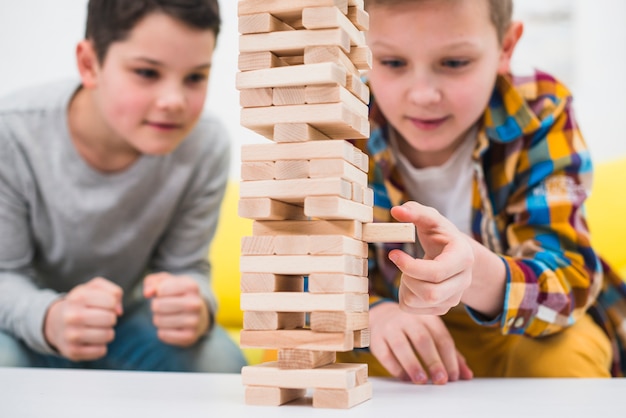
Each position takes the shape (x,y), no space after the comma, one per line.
(359,17)
(388,232)
(295,190)
(250,61)
(361,338)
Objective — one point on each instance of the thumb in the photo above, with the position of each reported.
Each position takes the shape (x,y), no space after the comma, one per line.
(151,284)
(423,217)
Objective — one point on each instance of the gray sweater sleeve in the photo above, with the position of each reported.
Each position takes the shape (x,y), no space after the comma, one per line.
(23,305)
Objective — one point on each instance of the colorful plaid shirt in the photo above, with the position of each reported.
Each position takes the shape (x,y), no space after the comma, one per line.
(532,174)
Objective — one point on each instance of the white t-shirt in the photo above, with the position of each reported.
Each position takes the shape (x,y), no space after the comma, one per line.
(448,187)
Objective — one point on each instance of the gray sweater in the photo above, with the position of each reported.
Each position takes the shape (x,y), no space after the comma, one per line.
(63,223)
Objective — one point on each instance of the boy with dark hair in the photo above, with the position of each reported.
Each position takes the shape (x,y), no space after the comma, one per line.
(110,191)
(493,171)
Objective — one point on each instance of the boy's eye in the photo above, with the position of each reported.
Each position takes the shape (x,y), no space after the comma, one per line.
(196,78)
(146,73)
(455,63)
(393,63)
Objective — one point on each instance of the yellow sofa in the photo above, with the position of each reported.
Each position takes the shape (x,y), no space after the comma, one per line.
(606,211)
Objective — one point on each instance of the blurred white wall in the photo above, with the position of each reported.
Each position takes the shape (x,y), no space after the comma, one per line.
(579,41)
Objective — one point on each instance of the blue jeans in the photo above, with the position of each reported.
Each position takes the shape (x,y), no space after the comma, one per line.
(137,347)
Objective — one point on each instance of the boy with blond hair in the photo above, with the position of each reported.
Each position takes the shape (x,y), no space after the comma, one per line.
(110,189)
(493,171)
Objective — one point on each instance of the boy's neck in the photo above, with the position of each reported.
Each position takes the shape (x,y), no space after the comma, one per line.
(93,139)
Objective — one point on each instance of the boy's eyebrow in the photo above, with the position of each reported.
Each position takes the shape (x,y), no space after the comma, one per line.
(160,64)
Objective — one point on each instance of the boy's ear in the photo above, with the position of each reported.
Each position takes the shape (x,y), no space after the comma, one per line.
(87,63)
(511,37)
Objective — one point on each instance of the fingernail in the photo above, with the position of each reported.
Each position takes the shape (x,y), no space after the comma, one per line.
(421,377)
(439,378)
(393,257)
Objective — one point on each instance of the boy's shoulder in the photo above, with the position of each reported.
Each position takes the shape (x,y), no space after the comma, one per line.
(38,98)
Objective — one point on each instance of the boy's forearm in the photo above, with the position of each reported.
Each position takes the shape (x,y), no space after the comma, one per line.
(486,293)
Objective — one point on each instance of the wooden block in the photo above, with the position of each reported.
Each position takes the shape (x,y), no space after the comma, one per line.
(296,75)
(292,244)
(361,338)
(287,43)
(256,97)
(262,245)
(291,169)
(361,57)
(271,396)
(295,190)
(331,376)
(264,208)
(303,264)
(359,18)
(338,321)
(296,132)
(368,197)
(388,232)
(337,207)
(251,61)
(268,282)
(335,120)
(280,7)
(273,320)
(335,167)
(300,151)
(357,193)
(334,93)
(302,339)
(331,17)
(261,23)
(337,283)
(342,398)
(257,170)
(352,229)
(357,87)
(304,302)
(285,96)
(304,359)
(337,245)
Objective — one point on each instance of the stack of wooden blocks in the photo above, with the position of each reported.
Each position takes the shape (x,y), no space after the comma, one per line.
(300,86)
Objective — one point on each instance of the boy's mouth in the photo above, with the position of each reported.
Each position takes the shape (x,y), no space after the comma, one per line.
(164,126)
(427,124)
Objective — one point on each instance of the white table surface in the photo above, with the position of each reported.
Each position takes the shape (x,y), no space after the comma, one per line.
(50,393)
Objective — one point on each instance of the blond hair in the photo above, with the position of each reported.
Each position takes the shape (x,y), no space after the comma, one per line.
(500,11)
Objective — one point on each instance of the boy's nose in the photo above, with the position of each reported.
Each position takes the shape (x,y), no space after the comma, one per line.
(424,92)
(171,98)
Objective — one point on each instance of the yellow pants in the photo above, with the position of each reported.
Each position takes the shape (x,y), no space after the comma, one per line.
(582,350)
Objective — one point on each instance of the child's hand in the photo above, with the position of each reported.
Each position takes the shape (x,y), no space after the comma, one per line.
(81,324)
(415,347)
(179,312)
(436,283)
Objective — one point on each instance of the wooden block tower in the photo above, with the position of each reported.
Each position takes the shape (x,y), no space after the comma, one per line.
(300,86)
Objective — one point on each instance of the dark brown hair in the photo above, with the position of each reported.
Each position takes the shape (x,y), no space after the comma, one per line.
(110,21)
(500,11)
